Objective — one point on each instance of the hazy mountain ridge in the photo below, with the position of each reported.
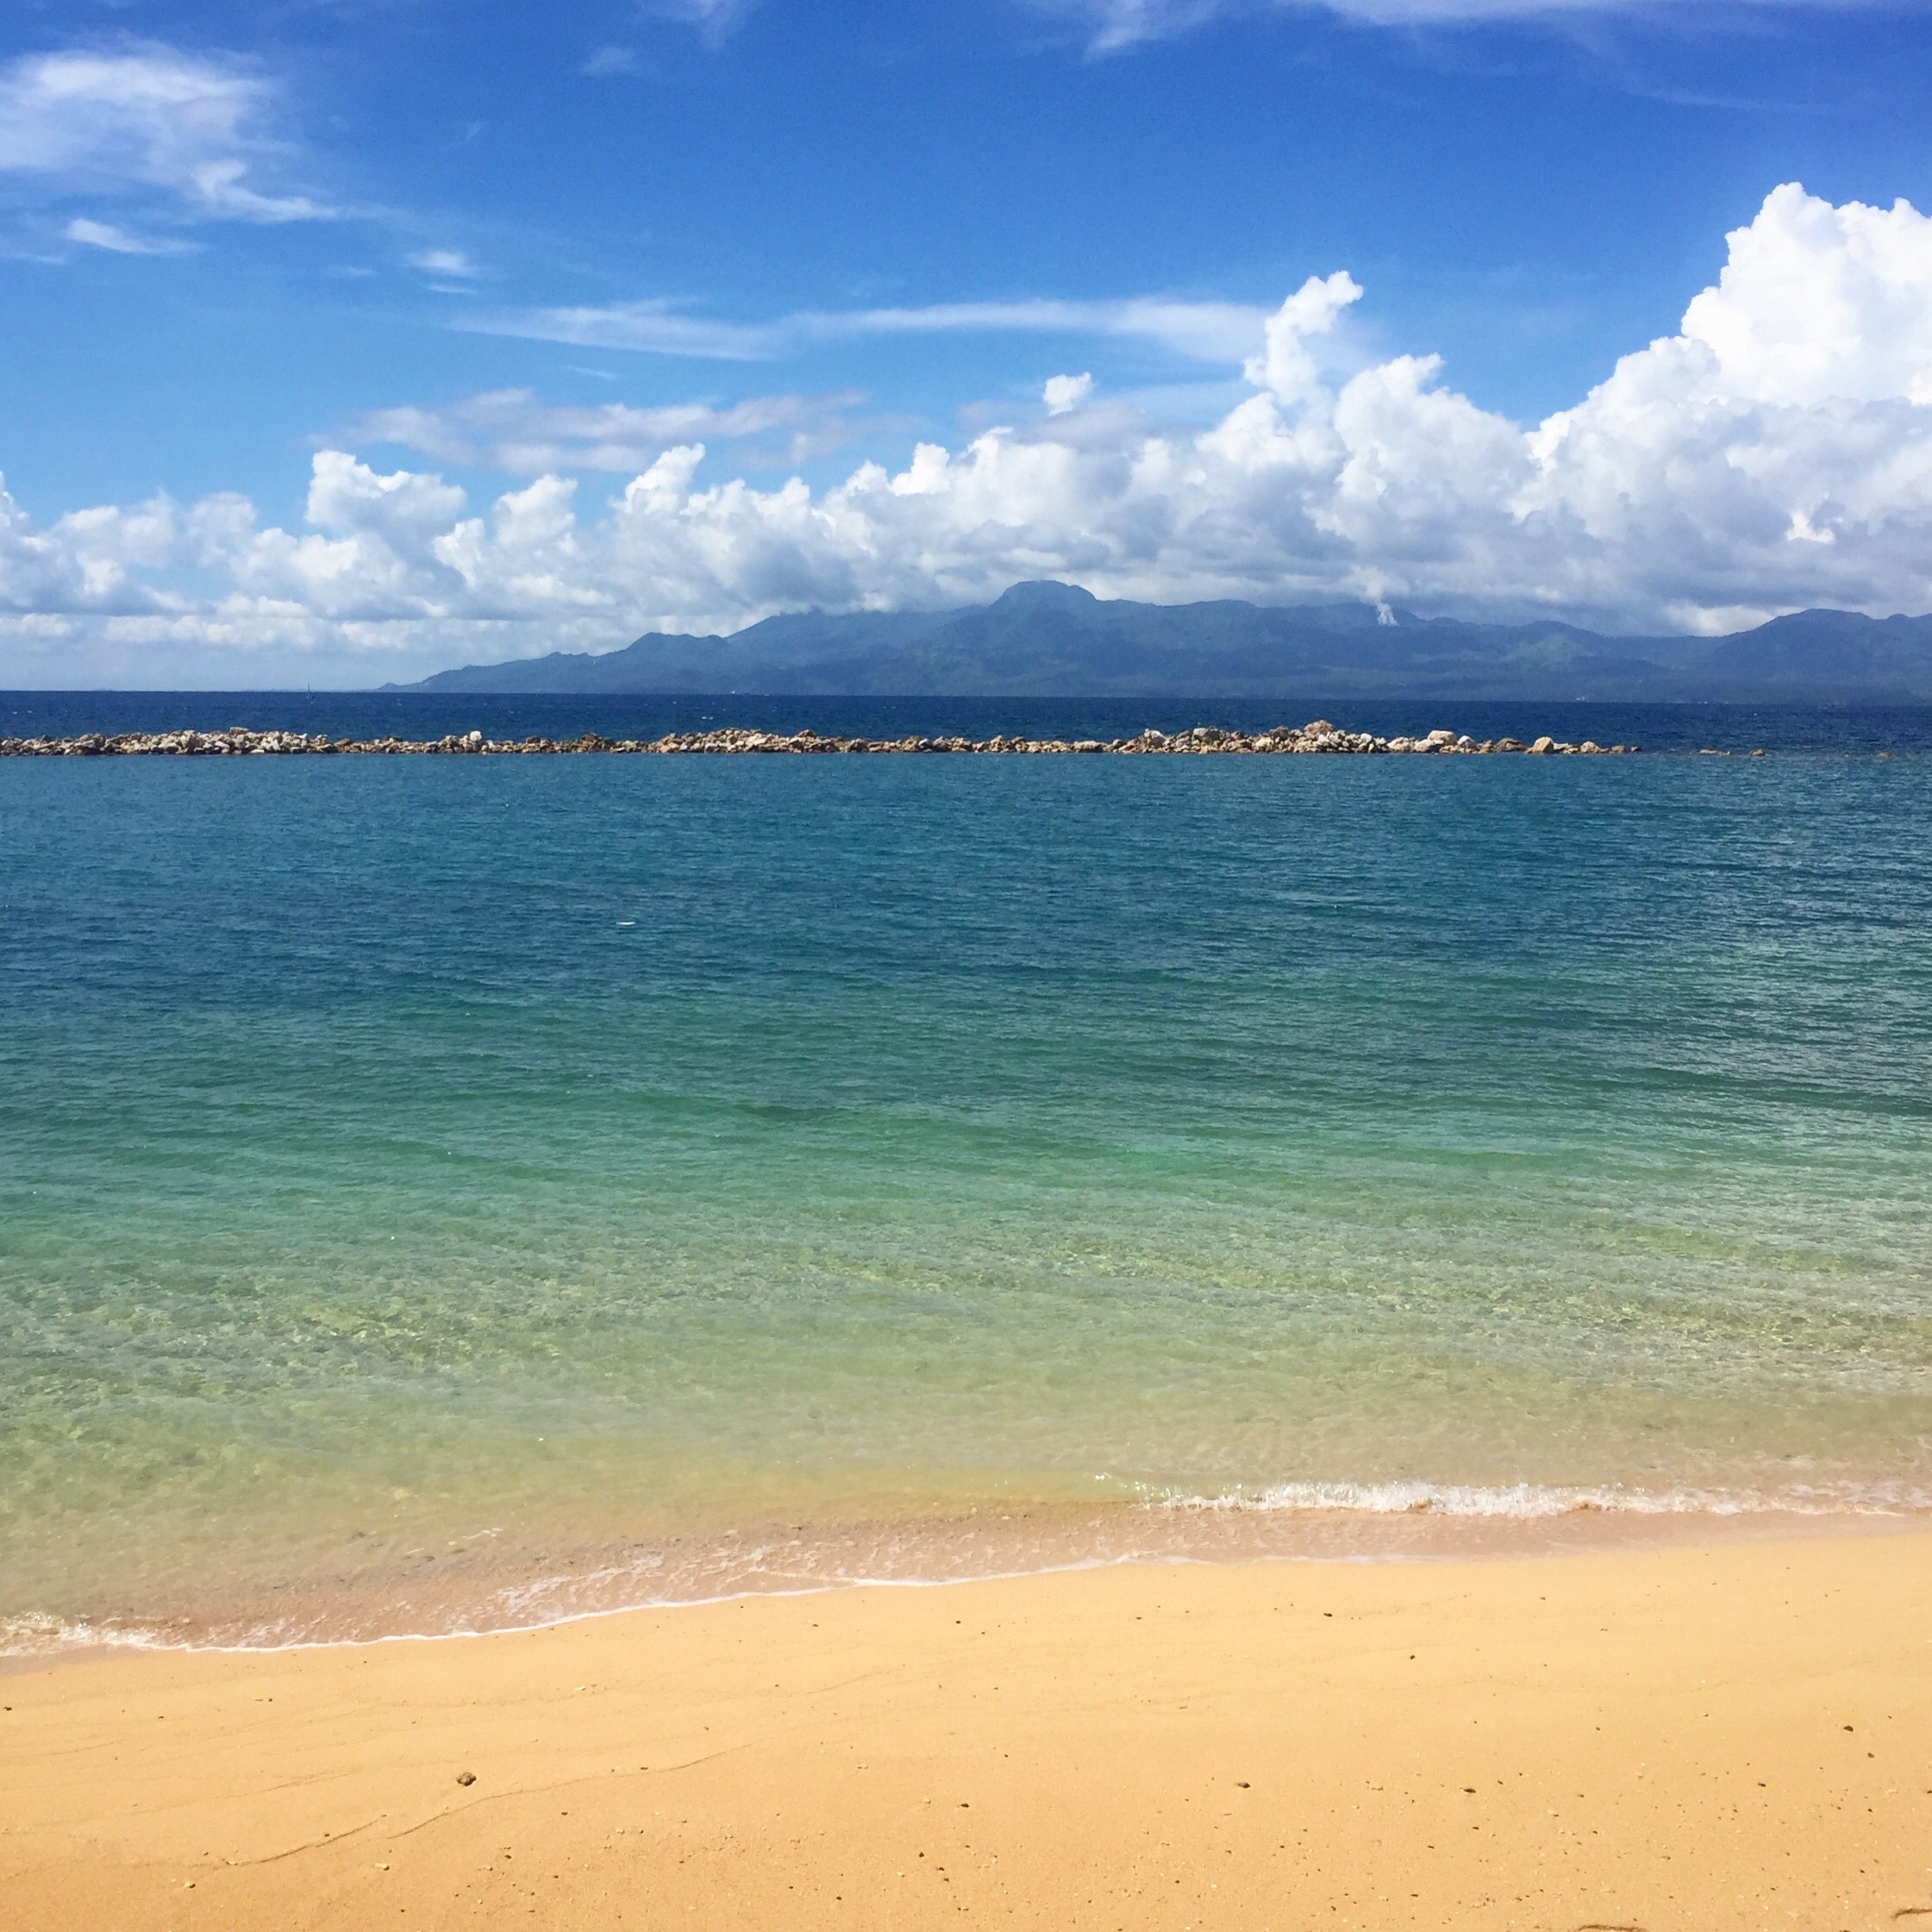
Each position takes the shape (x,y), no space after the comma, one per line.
(1054,640)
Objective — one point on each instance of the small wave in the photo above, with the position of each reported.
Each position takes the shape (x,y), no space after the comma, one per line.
(35,1633)
(1538,1502)
(1316,1520)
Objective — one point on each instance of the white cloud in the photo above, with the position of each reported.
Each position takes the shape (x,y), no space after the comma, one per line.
(1222,332)
(1065,393)
(451,264)
(1776,452)
(119,241)
(511,429)
(1819,302)
(1286,366)
(191,127)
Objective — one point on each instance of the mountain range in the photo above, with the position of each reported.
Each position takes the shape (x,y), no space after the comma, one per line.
(1056,641)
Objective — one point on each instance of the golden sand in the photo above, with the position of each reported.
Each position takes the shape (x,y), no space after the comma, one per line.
(1683,1740)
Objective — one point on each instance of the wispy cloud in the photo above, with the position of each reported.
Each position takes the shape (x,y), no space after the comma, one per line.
(1112,25)
(446,266)
(610,60)
(1218,332)
(119,241)
(654,327)
(511,430)
(713,19)
(196,129)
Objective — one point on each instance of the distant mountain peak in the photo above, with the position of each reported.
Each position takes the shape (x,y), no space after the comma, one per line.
(1044,594)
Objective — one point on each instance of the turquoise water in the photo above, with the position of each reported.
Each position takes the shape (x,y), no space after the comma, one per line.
(444,1192)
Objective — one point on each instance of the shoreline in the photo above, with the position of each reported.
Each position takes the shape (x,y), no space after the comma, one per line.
(1699,1737)
(1318,737)
(529,1590)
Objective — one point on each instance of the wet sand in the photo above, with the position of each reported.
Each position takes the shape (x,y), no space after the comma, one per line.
(1733,1737)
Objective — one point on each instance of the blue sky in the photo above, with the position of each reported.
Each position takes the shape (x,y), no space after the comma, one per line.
(233,238)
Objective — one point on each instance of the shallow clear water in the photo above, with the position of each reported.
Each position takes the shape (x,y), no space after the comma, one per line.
(441,1191)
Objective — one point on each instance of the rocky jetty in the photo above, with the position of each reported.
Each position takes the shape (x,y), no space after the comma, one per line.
(1320,737)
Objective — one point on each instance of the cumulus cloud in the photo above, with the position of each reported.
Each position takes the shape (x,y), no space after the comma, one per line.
(511,429)
(1065,393)
(1286,366)
(1775,452)
(1819,302)
(193,128)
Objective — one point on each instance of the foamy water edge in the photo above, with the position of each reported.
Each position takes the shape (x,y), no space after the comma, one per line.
(1141,1534)
(1540,1503)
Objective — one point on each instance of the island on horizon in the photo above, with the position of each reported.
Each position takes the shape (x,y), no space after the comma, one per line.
(1053,640)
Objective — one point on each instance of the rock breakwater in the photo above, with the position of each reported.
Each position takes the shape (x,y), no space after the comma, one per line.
(1319,737)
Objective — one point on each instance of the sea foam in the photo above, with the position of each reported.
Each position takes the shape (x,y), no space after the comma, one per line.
(1538,1502)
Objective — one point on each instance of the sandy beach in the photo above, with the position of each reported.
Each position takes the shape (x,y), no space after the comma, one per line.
(1738,1735)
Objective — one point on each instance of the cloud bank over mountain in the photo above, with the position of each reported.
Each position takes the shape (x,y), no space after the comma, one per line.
(1775,454)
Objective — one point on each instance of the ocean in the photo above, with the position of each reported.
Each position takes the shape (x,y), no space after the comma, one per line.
(445,1194)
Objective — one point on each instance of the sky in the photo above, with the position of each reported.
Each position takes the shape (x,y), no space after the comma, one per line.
(344,340)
